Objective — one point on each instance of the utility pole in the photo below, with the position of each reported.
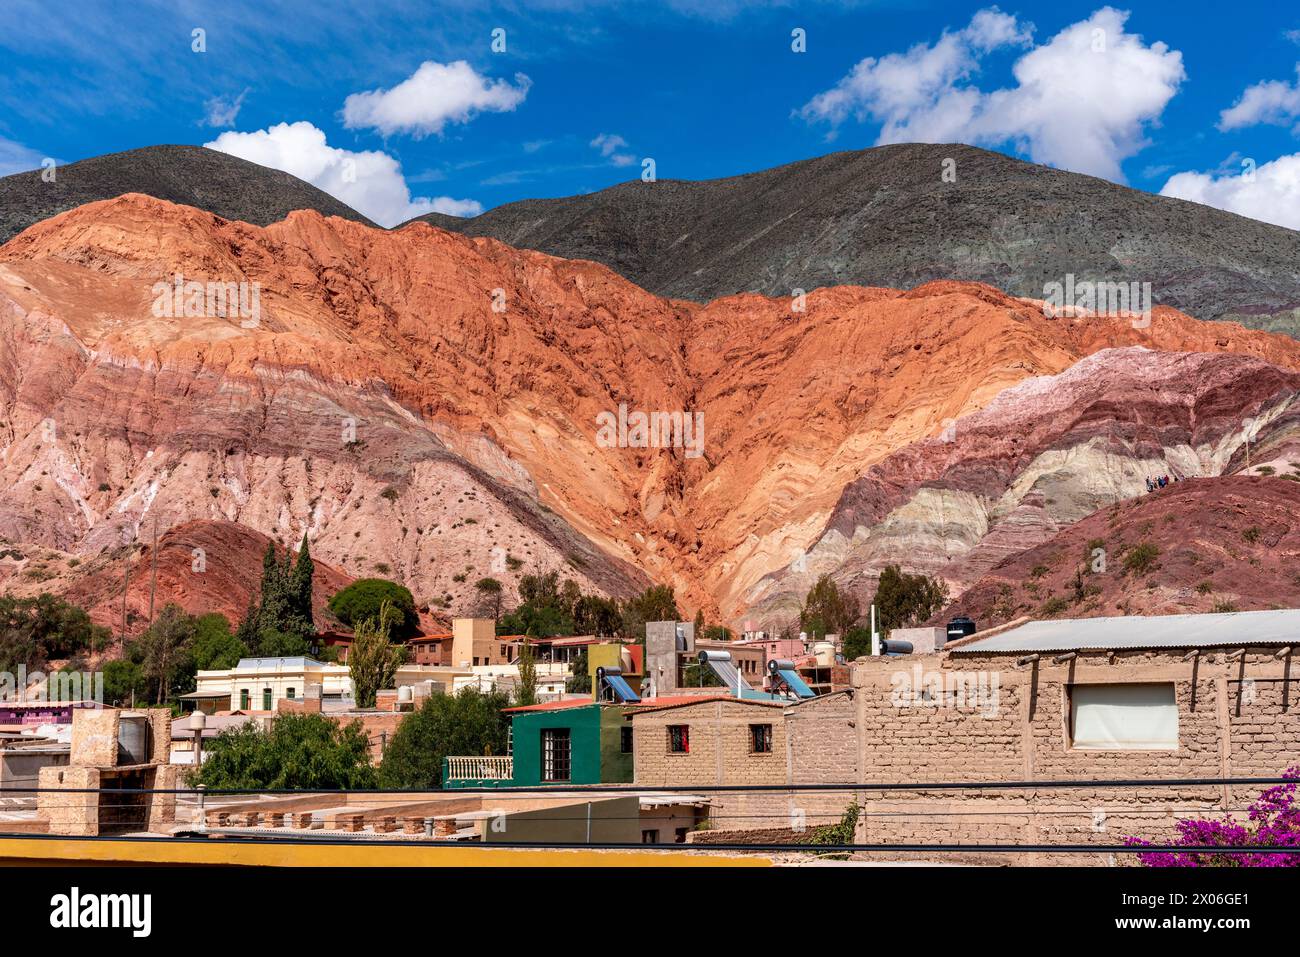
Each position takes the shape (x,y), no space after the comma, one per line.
(126,586)
(153,574)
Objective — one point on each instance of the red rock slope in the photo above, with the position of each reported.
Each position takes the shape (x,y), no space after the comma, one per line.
(1230,543)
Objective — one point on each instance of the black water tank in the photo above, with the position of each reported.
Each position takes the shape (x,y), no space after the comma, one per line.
(960,628)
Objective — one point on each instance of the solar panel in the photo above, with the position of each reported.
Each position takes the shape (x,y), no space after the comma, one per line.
(719,663)
(795,683)
(622,690)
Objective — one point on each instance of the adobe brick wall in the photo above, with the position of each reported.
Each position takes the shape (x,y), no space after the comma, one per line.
(1237,718)
(299,705)
(720,745)
(720,754)
(1227,727)
(379,727)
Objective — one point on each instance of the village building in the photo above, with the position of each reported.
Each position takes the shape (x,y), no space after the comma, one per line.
(1136,699)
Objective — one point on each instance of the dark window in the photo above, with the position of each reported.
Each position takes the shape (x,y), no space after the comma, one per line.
(266,699)
(649,837)
(289,693)
(760,737)
(681,834)
(243,699)
(557,754)
(626,740)
(679,739)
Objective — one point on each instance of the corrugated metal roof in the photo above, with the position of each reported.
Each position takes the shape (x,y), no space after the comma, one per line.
(1231,629)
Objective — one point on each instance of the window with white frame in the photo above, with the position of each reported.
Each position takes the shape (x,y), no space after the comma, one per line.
(1124,717)
(557,754)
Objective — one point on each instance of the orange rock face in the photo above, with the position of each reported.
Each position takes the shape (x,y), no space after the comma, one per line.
(432,404)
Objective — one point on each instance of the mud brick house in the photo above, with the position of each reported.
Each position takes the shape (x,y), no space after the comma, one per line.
(712,740)
(1134,699)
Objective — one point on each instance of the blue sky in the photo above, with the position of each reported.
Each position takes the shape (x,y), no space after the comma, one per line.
(398,108)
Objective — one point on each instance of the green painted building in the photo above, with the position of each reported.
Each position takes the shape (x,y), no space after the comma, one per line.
(563,743)
(587,744)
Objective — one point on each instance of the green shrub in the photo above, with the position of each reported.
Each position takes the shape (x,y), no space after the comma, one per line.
(365,596)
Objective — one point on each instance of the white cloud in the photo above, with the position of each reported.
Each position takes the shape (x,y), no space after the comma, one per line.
(613,147)
(433,96)
(1270,194)
(223,110)
(16,158)
(1081,100)
(1272,101)
(447,205)
(370,181)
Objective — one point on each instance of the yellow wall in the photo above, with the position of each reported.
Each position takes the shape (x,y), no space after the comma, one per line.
(71,851)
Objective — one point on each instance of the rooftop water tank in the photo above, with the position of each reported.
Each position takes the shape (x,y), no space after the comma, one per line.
(960,627)
(134,739)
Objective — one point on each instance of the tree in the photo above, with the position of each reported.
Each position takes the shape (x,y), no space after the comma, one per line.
(35,631)
(526,693)
(489,591)
(656,603)
(274,643)
(468,723)
(246,632)
(544,608)
(163,650)
(124,683)
(594,615)
(856,643)
(299,751)
(579,680)
(717,633)
(373,659)
(214,648)
(283,613)
(363,599)
(904,600)
(827,610)
(299,583)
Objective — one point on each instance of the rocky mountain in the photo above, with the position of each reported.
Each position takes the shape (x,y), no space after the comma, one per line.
(230,187)
(1208,544)
(438,408)
(1042,457)
(888,217)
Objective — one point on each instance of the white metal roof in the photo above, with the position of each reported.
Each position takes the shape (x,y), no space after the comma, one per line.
(1231,629)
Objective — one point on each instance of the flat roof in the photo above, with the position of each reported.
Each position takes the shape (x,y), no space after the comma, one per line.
(297,661)
(685,701)
(555,705)
(1228,629)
